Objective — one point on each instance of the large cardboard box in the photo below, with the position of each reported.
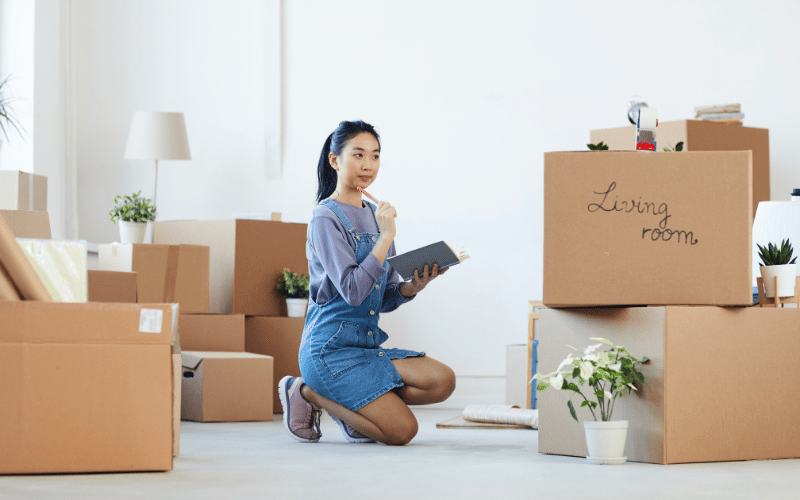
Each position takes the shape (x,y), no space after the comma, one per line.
(703,400)
(644,228)
(22,191)
(164,273)
(280,338)
(85,387)
(212,332)
(226,387)
(112,286)
(247,259)
(698,135)
(27,224)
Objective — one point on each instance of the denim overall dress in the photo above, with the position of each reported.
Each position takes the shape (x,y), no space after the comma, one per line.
(340,354)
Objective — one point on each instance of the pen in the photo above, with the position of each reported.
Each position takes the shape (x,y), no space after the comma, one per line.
(368,195)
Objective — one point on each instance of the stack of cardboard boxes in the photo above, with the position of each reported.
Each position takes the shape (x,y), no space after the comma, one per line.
(665,238)
(247,258)
(86,387)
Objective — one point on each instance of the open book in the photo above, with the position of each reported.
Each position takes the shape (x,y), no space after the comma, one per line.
(434,253)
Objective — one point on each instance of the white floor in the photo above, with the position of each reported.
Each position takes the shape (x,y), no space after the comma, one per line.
(258,460)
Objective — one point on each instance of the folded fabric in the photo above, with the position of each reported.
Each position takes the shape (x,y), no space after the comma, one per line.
(501,414)
(718,108)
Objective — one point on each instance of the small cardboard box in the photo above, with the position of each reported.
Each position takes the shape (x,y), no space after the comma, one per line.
(164,273)
(212,332)
(698,135)
(22,191)
(28,224)
(280,338)
(61,265)
(700,401)
(644,228)
(226,387)
(85,387)
(177,370)
(247,260)
(112,286)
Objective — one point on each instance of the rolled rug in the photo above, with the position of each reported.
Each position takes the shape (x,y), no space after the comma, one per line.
(501,414)
(19,268)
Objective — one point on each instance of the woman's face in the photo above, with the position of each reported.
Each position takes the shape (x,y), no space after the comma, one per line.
(358,164)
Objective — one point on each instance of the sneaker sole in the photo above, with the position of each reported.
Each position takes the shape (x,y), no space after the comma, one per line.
(283,393)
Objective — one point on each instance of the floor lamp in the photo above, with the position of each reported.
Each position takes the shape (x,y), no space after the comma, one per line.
(157,136)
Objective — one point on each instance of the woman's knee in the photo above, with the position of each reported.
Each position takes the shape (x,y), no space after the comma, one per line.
(446,383)
(401,433)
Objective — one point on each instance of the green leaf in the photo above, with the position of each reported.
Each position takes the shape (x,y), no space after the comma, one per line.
(542,386)
(679,146)
(572,410)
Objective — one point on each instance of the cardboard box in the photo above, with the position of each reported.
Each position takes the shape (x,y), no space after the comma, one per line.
(177,370)
(226,387)
(18,279)
(164,273)
(698,135)
(22,191)
(61,265)
(112,286)
(517,375)
(86,387)
(212,332)
(280,338)
(28,224)
(701,401)
(631,228)
(247,260)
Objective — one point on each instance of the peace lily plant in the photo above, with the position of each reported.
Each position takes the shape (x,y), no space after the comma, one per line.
(609,374)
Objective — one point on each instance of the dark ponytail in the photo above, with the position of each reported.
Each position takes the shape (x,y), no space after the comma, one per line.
(334,144)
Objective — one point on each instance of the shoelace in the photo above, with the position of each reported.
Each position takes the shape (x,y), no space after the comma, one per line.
(314,419)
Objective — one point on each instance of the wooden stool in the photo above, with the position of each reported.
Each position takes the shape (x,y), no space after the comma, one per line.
(765,301)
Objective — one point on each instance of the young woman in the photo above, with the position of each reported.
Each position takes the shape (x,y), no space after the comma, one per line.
(365,388)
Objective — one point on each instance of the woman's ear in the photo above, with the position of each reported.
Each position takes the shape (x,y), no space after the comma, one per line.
(334,161)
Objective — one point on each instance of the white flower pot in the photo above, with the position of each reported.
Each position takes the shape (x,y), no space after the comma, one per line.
(131,232)
(787,277)
(297,307)
(606,441)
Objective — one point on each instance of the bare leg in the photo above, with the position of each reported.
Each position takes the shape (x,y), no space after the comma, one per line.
(388,419)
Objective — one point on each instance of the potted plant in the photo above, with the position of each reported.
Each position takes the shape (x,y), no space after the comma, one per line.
(133,213)
(295,289)
(609,374)
(777,262)
(7,115)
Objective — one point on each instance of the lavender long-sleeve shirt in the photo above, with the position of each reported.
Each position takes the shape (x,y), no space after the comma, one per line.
(332,265)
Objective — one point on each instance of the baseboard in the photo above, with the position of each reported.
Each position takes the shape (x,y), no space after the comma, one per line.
(471,390)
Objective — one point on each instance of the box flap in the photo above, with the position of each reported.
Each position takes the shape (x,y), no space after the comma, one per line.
(219,355)
(191,359)
(28,223)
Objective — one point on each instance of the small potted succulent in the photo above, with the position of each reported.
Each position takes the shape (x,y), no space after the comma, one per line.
(295,289)
(777,262)
(609,374)
(133,213)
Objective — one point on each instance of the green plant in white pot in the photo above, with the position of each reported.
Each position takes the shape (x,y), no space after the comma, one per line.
(777,262)
(608,374)
(133,213)
(295,289)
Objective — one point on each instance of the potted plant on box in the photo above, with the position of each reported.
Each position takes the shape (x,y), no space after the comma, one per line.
(295,289)
(133,213)
(777,262)
(609,374)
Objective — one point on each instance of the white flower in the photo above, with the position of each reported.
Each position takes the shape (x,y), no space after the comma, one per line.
(586,369)
(557,381)
(608,395)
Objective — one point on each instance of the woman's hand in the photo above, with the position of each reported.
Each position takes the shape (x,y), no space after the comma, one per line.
(385,216)
(418,283)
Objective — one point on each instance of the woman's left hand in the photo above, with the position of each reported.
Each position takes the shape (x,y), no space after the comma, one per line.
(419,283)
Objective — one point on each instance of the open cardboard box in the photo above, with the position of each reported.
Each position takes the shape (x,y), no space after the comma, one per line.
(86,387)
(703,400)
(699,135)
(644,228)
(247,260)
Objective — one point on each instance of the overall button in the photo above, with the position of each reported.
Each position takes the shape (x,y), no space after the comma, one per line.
(380,353)
(373,238)
(377,287)
(372,313)
(369,333)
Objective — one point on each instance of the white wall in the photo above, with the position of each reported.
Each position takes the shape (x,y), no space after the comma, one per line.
(467,96)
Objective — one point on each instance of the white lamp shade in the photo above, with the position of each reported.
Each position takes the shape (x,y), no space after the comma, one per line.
(157,136)
(775,221)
